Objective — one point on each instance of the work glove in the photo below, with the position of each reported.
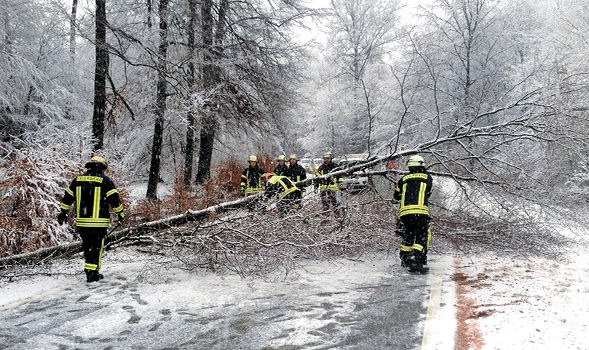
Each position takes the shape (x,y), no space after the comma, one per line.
(61,217)
(122,217)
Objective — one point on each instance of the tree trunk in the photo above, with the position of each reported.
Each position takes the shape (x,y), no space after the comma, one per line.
(73,28)
(207,140)
(160,107)
(207,131)
(100,77)
(189,155)
(149,9)
(211,78)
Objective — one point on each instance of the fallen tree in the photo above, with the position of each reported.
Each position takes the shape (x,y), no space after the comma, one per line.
(503,184)
(75,247)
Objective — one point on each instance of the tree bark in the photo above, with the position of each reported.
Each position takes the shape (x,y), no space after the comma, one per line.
(73,28)
(100,77)
(207,131)
(211,78)
(205,152)
(160,109)
(149,9)
(189,155)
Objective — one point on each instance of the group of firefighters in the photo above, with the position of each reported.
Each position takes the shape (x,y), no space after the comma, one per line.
(285,182)
(92,193)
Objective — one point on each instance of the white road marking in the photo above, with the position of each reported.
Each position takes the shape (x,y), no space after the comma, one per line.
(439,328)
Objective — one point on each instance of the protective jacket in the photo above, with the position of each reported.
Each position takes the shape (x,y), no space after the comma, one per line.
(330,183)
(281,185)
(92,193)
(297,173)
(413,191)
(252,180)
(281,170)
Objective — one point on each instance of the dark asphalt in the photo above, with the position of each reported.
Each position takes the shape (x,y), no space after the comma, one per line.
(382,311)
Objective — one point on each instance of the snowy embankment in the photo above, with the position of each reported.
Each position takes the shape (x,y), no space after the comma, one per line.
(524,303)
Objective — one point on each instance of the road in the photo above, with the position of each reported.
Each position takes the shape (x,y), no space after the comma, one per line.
(368,304)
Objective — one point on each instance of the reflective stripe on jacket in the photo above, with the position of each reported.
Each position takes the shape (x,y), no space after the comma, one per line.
(414,190)
(252,180)
(92,193)
(282,185)
(329,183)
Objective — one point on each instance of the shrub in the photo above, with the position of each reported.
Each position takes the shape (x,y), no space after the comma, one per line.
(31,186)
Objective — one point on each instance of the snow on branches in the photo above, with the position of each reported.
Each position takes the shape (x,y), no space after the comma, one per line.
(31,185)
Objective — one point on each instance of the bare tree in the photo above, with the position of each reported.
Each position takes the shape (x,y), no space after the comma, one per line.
(100,73)
(73,28)
(361,33)
(487,121)
(247,81)
(160,106)
(213,35)
(191,80)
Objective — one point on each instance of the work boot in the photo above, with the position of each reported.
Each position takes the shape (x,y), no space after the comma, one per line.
(414,262)
(93,276)
(424,259)
(89,275)
(405,258)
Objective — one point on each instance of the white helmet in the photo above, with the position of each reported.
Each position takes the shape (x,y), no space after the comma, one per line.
(253,158)
(415,161)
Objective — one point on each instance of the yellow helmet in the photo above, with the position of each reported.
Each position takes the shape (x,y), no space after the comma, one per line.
(97,162)
(282,157)
(253,158)
(415,161)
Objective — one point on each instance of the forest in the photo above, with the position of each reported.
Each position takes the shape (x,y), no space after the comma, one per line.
(176,94)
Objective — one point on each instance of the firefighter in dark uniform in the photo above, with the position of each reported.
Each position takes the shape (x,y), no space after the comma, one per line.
(297,173)
(93,193)
(413,191)
(283,188)
(329,186)
(281,167)
(252,178)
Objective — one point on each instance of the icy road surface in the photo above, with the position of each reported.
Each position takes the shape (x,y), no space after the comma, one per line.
(365,304)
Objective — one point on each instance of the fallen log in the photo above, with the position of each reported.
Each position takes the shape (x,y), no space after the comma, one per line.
(37,255)
(177,220)
(68,249)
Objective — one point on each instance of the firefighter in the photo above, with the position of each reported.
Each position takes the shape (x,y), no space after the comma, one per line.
(285,189)
(252,178)
(281,168)
(297,173)
(413,191)
(329,186)
(93,193)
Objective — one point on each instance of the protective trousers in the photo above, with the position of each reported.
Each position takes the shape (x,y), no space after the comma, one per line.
(416,238)
(93,246)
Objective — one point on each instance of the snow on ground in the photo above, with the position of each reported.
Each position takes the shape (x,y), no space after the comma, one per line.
(530,304)
(484,302)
